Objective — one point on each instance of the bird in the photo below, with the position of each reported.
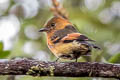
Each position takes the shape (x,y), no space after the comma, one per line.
(65,41)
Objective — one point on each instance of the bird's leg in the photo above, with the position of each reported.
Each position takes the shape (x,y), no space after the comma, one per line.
(56,59)
(76,59)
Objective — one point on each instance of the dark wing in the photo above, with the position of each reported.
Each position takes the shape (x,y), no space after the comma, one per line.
(60,34)
(77,37)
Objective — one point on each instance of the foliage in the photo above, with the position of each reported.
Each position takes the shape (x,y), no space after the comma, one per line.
(115,58)
(3,54)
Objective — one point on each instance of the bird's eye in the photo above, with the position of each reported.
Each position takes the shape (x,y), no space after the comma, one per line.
(52,24)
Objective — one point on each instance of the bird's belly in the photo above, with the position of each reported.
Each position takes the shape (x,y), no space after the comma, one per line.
(71,50)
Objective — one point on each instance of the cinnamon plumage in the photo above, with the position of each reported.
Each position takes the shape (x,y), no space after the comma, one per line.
(65,41)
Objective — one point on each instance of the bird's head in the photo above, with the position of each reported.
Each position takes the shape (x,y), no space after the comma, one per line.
(54,24)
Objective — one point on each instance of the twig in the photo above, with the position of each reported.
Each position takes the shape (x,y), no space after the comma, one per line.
(63,69)
(58,10)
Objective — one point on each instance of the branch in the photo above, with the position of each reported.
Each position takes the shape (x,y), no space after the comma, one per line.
(63,69)
(58,10)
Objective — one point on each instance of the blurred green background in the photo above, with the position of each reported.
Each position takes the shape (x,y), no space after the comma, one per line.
(20,21)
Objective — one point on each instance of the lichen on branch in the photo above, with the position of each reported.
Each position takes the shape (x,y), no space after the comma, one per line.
(59,69)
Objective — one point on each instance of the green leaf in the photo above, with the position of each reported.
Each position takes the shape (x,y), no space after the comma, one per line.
(1,46)
(4,54)
(115,58)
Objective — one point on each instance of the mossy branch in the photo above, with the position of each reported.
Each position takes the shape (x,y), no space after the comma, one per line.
(57,69)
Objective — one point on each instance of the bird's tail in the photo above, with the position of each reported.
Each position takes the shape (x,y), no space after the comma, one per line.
(95,46)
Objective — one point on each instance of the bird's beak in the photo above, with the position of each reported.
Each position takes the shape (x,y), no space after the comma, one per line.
(43,30)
